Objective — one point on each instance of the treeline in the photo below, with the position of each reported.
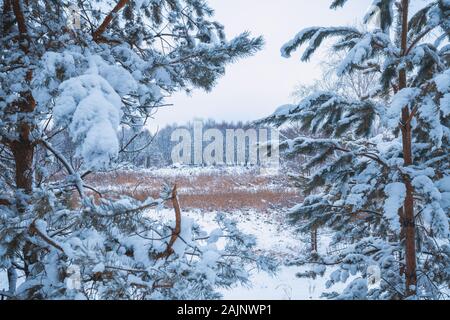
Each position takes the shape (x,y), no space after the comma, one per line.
(147,149)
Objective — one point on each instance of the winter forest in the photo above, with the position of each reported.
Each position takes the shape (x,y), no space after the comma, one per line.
(224,150)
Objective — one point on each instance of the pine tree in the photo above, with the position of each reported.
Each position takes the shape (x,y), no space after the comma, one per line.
(83,69)
(385,195)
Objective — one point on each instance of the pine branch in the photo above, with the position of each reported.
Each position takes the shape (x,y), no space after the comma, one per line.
(128,212)
(67,165)
(6,294)
(420,37)
(34,230)
(337,3)
(5,202)
(97,35)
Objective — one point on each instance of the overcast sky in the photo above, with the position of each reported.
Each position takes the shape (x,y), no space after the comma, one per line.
(254,87)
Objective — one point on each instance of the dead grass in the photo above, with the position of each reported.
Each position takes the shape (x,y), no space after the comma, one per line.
(205,192)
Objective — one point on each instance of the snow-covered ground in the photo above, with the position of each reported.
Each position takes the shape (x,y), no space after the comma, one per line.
(184,170)
(283,286)
(273,235)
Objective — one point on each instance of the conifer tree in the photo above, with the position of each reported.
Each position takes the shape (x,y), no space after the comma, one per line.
(85,68)
(383,194)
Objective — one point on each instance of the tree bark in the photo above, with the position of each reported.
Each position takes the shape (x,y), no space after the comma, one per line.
(23,146)
(104,25)
(314,244)
(177,230)
(8,20)
(407,218)
(23,151)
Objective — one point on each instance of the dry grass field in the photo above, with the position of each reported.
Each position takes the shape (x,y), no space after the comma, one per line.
(205,190)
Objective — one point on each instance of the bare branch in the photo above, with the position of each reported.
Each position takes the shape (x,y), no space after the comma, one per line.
(177,230)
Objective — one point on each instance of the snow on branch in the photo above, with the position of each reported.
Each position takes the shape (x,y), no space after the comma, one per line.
(396,193)
(315,36)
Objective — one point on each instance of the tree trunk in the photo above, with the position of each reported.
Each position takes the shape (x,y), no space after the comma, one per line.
(314,245)
(407,218)
(23,146)
(23,151)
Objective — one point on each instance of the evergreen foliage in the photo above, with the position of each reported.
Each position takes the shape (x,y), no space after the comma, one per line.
(83,69)
(363,180)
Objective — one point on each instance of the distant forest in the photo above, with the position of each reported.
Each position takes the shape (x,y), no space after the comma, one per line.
(146,149)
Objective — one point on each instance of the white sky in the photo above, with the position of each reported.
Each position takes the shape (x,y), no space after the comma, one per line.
(254,87)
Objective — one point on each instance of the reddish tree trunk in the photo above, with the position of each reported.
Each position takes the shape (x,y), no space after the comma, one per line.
(407,218)
(23,147)
(23,151)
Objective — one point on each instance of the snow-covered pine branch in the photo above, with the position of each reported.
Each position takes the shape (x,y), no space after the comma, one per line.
(380,160)
(84,77)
